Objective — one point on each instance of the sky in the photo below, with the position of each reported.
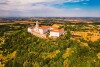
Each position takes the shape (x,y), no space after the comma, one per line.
(49,8)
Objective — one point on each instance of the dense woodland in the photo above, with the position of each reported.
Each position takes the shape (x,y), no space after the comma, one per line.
(32,51)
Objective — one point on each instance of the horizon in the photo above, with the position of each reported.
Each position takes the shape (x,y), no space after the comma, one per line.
(46,17)
(52,8)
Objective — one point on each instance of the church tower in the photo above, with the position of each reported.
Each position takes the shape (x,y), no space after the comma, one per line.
(37,26)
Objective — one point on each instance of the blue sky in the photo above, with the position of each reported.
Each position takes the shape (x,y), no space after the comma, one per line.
(50,8)
(92,4)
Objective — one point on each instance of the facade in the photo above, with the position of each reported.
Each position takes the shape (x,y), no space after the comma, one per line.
(44,29)
(56,32)
(30,29)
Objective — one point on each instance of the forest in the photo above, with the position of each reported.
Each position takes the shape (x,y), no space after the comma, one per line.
(22,49)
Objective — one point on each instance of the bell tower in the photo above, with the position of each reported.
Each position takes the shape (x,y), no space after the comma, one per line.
(37,26)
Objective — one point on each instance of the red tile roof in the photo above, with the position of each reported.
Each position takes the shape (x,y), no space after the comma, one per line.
(44,27)
(57,30)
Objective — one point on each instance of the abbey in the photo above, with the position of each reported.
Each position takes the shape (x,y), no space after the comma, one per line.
(42,31)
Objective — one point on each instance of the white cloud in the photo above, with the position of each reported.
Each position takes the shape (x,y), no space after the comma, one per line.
(28,4)
(77,8)
(37,8)
(39,1)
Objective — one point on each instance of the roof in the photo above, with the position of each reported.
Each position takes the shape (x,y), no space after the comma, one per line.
(44,27)
(56,25)
(57,30)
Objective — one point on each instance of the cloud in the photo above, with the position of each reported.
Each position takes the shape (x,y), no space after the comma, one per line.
(77,8)
(41,8)
(39,1)
(27,4)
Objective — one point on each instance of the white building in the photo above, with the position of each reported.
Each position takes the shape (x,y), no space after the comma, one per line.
(56,32)
(30,29)
(44,29)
